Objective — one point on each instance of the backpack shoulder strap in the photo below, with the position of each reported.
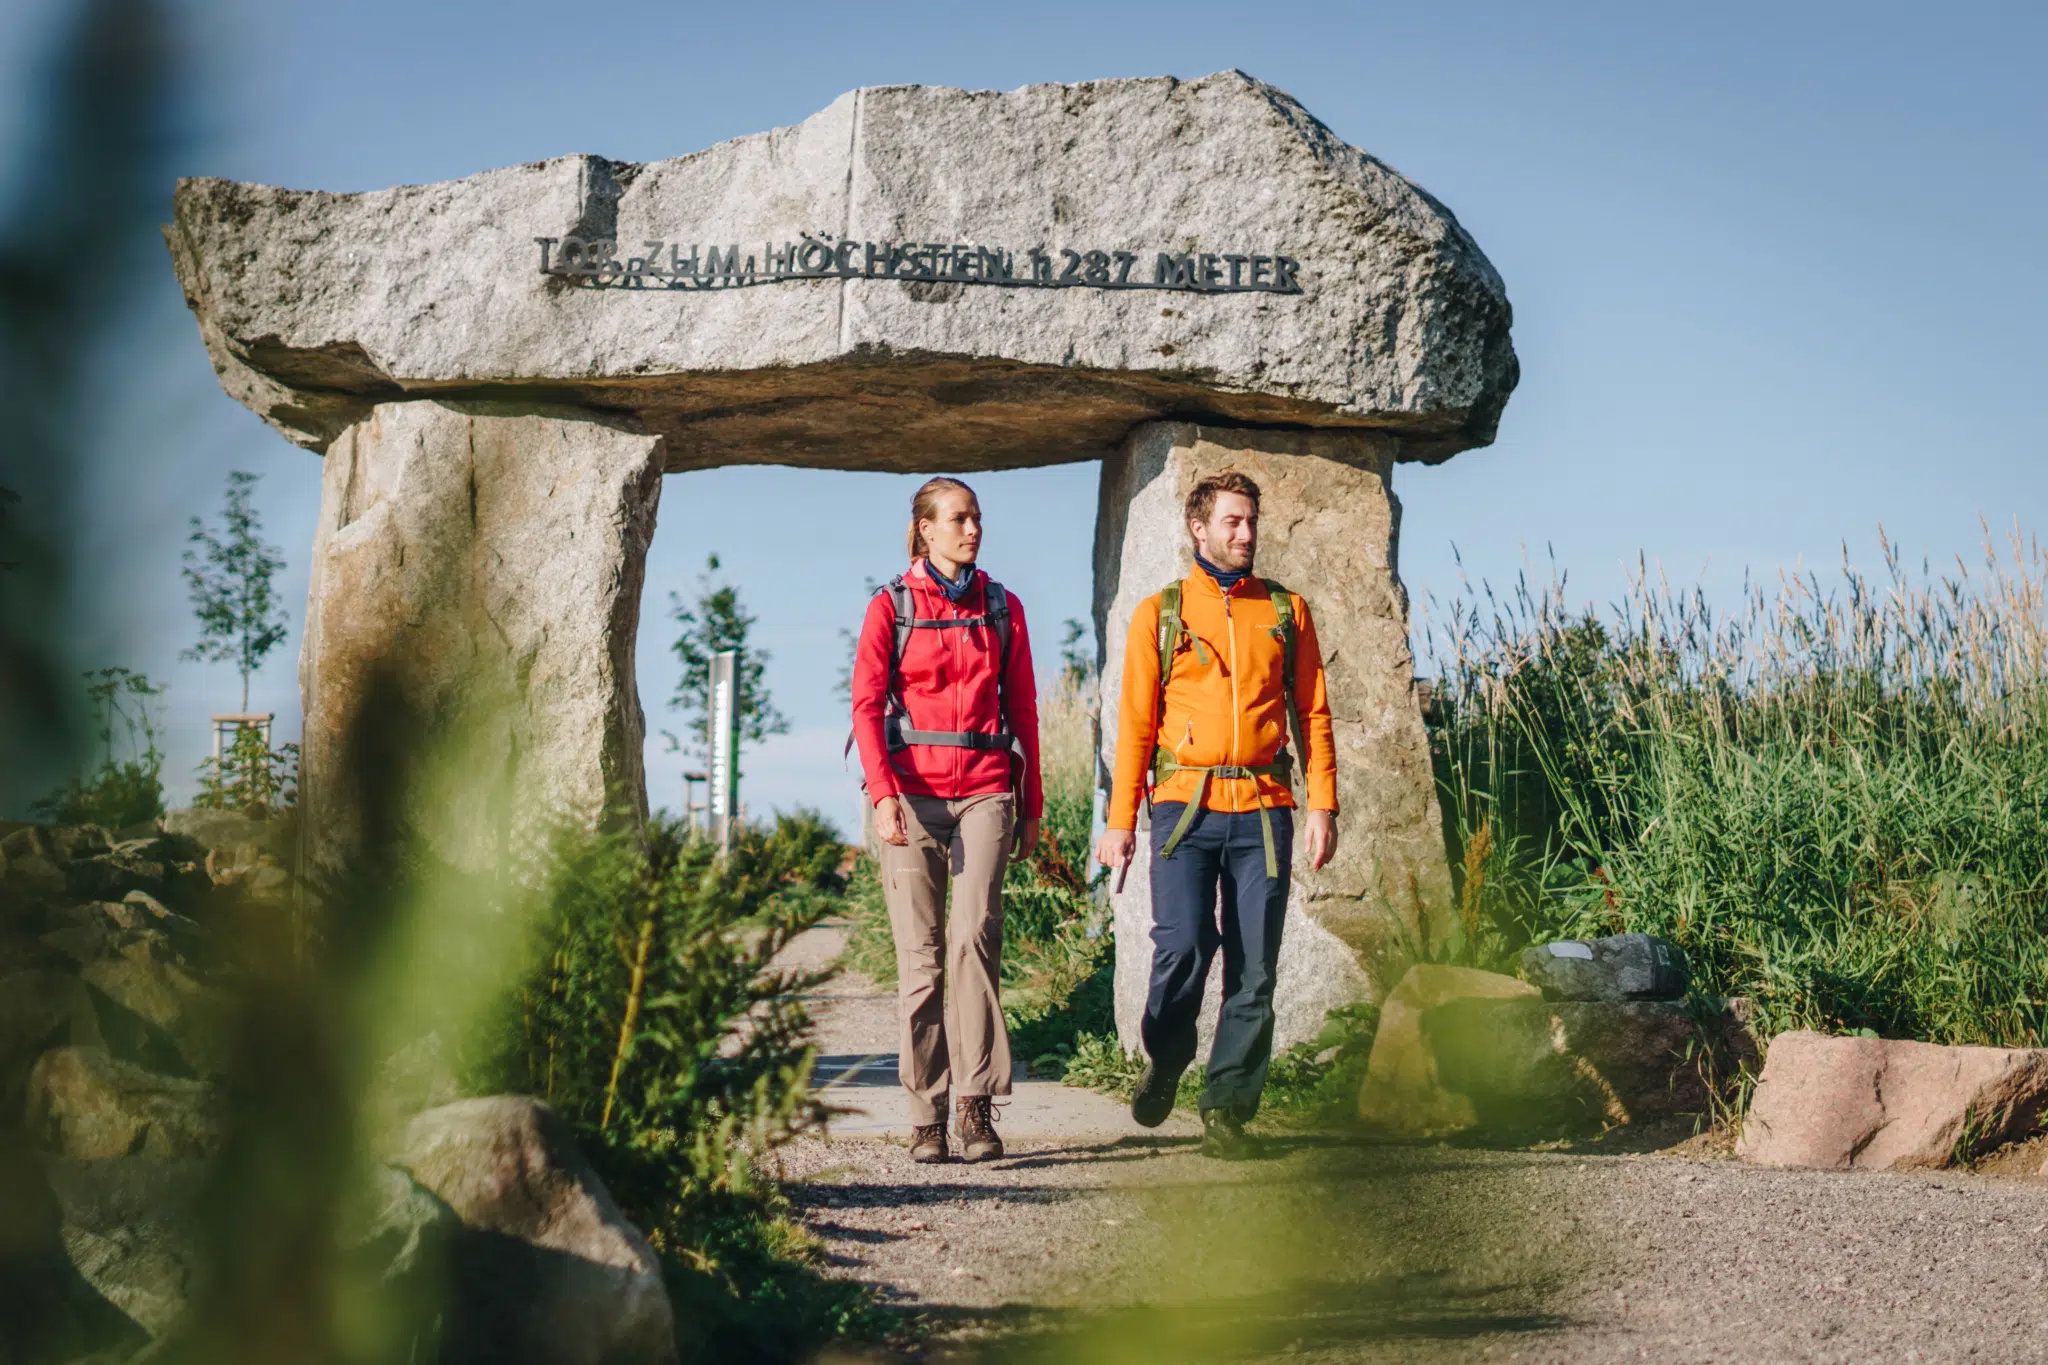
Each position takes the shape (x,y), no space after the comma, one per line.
(996,606)
(906,612)
(998,609)
(1170,630)
(1286,632)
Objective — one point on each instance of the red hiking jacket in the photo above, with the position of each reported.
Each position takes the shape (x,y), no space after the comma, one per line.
(947,681)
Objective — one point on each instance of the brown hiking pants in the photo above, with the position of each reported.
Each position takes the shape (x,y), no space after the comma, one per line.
(949,964)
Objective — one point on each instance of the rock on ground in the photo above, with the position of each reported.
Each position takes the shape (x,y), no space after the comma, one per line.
(1886,1104)
(131,1227)
(87,1104)
(1461,1049)
(1542,1067)
(316,307)
(1402,1093)
(552,1272)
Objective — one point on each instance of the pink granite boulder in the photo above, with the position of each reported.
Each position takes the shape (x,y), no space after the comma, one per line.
(1887,1104)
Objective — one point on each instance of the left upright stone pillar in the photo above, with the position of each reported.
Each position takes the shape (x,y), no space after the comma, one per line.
(482,563)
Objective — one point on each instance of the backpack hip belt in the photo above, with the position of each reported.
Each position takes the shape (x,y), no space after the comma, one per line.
(1280,770)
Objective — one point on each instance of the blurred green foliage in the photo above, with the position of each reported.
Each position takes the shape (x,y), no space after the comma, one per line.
(653,1018)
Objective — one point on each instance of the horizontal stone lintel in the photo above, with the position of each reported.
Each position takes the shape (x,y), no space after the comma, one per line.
(1045,268)
(870,411)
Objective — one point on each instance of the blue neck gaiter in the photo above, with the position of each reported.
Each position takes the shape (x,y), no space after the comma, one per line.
(1225,581)
(954,591)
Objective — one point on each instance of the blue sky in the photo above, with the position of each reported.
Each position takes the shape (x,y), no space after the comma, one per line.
(1777,270)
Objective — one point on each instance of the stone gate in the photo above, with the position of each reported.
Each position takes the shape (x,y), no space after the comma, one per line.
(1166,276)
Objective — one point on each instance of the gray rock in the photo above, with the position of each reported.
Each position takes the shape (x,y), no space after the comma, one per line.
(111,876)
(416,1077)
(316,307)
(560,1278)
(1460,1049)
(32,871)
(1328,530)
(227,831)
(148,978)
(69,843)
(1888,1103)
(397,1237)
(48,1310)
(85,1103)
(499,596)
(131,1228)
(1619,967)
(39,1010)
(1542,1067)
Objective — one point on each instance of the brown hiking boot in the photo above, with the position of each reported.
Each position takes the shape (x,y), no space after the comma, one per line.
(928,1142)
(978,1140)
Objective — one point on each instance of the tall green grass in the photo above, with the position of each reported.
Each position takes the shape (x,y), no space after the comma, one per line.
(1834,797)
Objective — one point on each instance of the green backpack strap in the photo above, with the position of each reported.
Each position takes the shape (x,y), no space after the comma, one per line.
(1171,629)
(1286,633)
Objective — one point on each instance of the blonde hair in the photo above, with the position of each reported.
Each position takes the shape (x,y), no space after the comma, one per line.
(924,506)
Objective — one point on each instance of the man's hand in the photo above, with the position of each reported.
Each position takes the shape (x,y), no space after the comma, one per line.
(1116,847)
(1027,837)
(889,821)
(1322,838)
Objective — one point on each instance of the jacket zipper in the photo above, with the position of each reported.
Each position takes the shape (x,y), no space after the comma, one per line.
(1236,735)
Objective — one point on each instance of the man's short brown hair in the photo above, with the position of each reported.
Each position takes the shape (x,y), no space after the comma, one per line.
(1202,497)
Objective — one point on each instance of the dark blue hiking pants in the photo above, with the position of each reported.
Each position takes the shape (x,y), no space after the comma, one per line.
(1188,925)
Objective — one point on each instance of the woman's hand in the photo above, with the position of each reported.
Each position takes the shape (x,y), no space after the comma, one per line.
(889,821)
(1027,837)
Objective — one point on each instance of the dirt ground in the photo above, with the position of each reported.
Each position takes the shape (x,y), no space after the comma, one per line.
(1115,1244)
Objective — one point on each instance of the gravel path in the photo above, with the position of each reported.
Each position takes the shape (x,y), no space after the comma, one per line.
(1118,1246)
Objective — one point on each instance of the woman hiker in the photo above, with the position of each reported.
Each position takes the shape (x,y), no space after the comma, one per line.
(946,716)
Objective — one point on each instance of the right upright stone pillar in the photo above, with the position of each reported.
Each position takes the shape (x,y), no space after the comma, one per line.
(1329,528)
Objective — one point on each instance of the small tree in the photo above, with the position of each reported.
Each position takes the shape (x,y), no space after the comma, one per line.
(715,623)
(230,575)
(1077,664)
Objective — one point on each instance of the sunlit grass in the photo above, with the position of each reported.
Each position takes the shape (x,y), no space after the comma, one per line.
(1834,797)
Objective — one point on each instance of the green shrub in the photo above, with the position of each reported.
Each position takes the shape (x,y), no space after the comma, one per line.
(1831,799)
(127,787)
(654,1021)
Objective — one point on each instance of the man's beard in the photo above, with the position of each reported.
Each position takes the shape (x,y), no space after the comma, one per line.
(1224,560)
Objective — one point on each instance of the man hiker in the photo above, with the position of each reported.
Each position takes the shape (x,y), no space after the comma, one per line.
(1219,668)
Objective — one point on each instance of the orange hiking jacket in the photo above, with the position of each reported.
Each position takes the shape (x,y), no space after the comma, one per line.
(1228,709)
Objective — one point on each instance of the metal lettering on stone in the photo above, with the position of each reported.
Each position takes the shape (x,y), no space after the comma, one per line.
(600,263)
